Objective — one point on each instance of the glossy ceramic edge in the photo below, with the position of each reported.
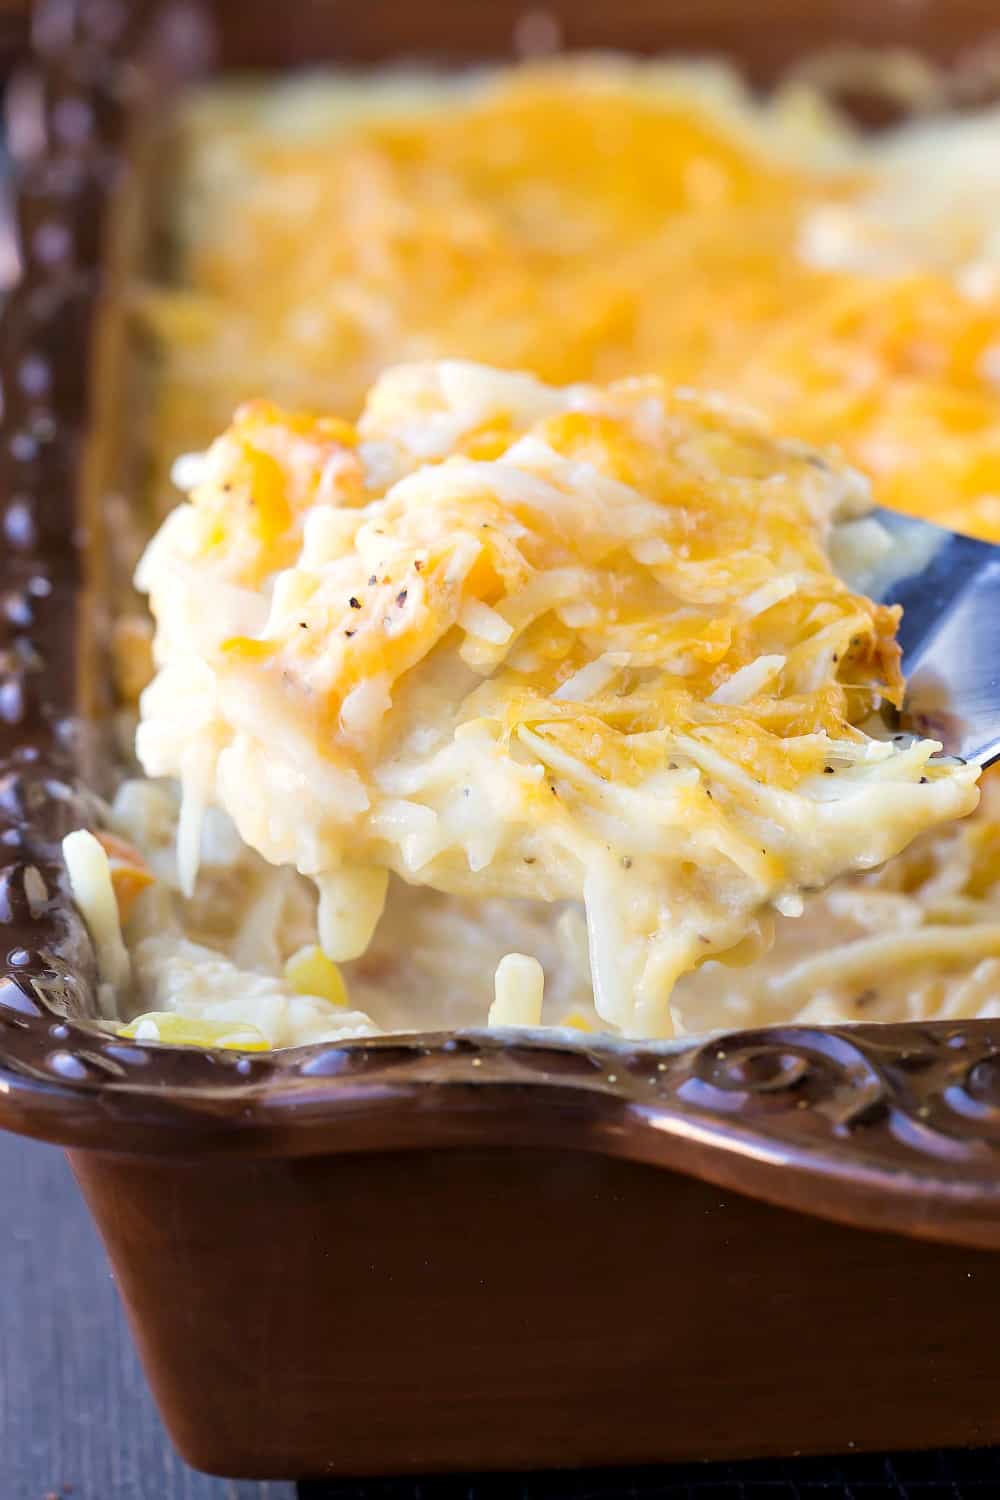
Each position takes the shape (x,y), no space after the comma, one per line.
(891,1127)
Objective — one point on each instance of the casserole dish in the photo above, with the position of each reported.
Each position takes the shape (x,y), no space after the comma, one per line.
(333,1257)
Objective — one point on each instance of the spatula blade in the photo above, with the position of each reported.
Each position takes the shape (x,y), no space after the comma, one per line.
(949,587)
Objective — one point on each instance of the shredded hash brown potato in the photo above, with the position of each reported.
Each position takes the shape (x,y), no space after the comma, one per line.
(589,220)
(577,644)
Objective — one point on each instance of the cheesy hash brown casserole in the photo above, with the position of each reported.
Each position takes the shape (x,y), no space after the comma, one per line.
(546,689)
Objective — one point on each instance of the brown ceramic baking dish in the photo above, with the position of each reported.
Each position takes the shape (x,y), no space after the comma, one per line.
(441,1252)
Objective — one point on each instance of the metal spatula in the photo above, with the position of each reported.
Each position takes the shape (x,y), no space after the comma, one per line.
(949,587)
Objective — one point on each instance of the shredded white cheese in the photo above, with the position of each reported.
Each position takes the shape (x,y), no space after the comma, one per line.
(519,985)
(90,881)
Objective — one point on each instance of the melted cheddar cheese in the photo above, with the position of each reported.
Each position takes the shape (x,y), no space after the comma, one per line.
(593,221)
(509,639)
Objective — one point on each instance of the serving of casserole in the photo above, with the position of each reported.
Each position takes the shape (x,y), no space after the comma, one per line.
(443,710)
(622,795)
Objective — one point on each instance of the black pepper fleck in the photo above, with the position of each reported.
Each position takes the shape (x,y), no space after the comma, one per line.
(827,770)
(349,633)
(354,602)
(401,598)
